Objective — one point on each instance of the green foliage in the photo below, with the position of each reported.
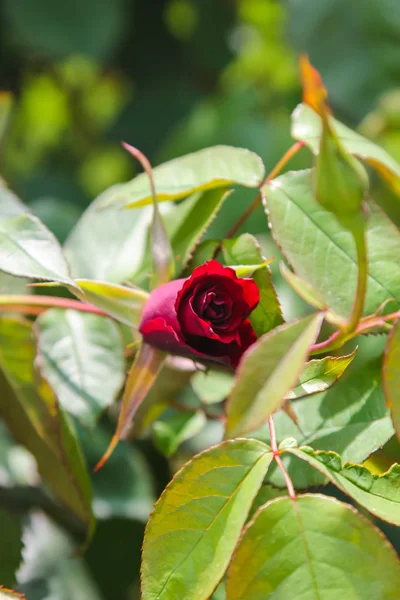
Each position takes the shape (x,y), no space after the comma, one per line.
(82,359)
(230,521)
(207,500)
(207,169)
(307,127)
(245,250)
(318,546)
(323,253)
(266,374)
(377,493)
(31,412)
(28,249)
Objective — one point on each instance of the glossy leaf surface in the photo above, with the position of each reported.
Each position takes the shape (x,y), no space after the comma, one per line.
(320,374)
(123,303)
(307,127)
(267,372)
(380,494)
(196,523)
(213,167)
(29,249)
(314,548)
(82,358)
(35,420)
(323,253)
(350,418)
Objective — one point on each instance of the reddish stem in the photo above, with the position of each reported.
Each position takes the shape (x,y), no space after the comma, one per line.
(34,305)
(278,460)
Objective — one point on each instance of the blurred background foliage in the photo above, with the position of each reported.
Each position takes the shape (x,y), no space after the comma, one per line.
(170,77)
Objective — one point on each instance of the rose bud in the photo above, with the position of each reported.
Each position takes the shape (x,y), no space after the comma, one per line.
(204,316)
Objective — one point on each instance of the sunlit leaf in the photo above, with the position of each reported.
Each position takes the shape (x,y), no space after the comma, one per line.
(323,253)
(186,223)
(316,547)
(266,373)
(350,418)
(307,127)
(203,211)
(123,303)
(380,494)
(143,373)
(213,167)
(309,294)
(10,204)
(206,502)
(82,358)
(10,547)
(391,375)
(34,418)
(245,250)
(107,243)
(320,374)
(29,249)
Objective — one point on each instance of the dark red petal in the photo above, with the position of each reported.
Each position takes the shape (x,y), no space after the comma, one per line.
(251,293)
(161,303)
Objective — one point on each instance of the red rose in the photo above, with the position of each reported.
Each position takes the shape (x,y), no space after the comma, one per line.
(203,316)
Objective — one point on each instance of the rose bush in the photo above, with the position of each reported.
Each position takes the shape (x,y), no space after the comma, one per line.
(204,316)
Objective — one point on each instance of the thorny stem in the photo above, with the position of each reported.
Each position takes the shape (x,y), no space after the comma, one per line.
(257,200)
(34,305)
(278,460)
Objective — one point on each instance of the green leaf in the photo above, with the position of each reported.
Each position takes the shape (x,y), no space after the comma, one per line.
(320,374)
(309,294)
(204,208)
(82,357)
(123,303)
(28,249)
(267,372)
(34,418)
(10,204)
(171,431)
(349,418)
(202,253)
(391,375)
(323,253)
(186,223)
(377,493)
(10,547)
(314,548)
(195,525)
(307,127)
(245,250)
(143,373)
(212,386)
(107,243)
(206,169)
